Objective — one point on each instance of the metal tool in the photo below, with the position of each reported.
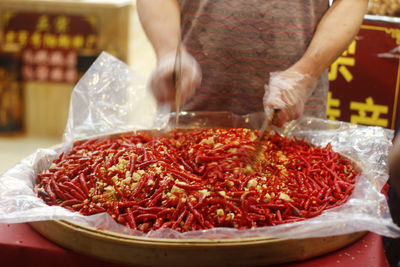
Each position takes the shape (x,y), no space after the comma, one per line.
(178,82)
(258,145)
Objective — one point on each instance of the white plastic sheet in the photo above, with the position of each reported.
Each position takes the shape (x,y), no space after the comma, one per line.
(111,98)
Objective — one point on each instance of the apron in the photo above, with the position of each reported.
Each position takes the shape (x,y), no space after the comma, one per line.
(239,42)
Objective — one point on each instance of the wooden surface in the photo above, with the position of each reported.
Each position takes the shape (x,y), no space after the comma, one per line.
(21,245)
(142,251)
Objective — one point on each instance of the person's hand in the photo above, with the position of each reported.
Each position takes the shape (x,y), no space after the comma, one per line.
(162,83)
(394,164)
(286,93)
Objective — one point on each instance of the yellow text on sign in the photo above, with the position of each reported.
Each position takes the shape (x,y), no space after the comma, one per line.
(342,63)
(49,40)
(369,113)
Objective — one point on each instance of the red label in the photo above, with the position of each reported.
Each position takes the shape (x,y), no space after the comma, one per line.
(364,80)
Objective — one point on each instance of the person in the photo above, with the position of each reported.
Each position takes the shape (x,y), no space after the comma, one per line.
(394,165)
(249,56)
(391,245)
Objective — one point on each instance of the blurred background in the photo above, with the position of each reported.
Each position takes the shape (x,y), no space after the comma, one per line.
(45,47)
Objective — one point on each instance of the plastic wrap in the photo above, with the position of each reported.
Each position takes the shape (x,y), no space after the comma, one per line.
(111,98)
(288,91)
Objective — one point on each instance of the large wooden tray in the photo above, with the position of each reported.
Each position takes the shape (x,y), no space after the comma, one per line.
(141,251)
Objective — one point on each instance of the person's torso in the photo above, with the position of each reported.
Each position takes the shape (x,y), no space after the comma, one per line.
(238,43)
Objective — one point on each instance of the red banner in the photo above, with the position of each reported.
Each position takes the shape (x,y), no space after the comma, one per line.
(50,43)
(364,80)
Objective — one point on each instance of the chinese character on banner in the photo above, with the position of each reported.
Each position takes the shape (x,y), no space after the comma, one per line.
(333,104)
(23,38)
(49,40)
(78,41)
(91,41)
(369,113)
(10,37)
(342,63)
(64,41)
(43,24)
(61,24)
(36,40)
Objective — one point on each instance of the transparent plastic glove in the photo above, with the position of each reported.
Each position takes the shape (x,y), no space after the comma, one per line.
(394,164)
(286,93)
(162,82)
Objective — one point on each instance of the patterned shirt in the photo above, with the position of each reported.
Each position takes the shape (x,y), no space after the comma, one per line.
(239,42)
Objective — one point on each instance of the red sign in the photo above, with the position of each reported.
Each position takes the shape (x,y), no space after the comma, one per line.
(364,81)
(50,43)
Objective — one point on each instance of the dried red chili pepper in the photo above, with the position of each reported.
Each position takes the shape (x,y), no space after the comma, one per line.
(198,180)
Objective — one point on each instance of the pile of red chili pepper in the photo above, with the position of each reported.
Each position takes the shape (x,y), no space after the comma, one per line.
(198,179)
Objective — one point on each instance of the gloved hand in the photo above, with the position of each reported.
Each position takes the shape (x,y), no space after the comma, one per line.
(394,164)
(162,82)
(286,93)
